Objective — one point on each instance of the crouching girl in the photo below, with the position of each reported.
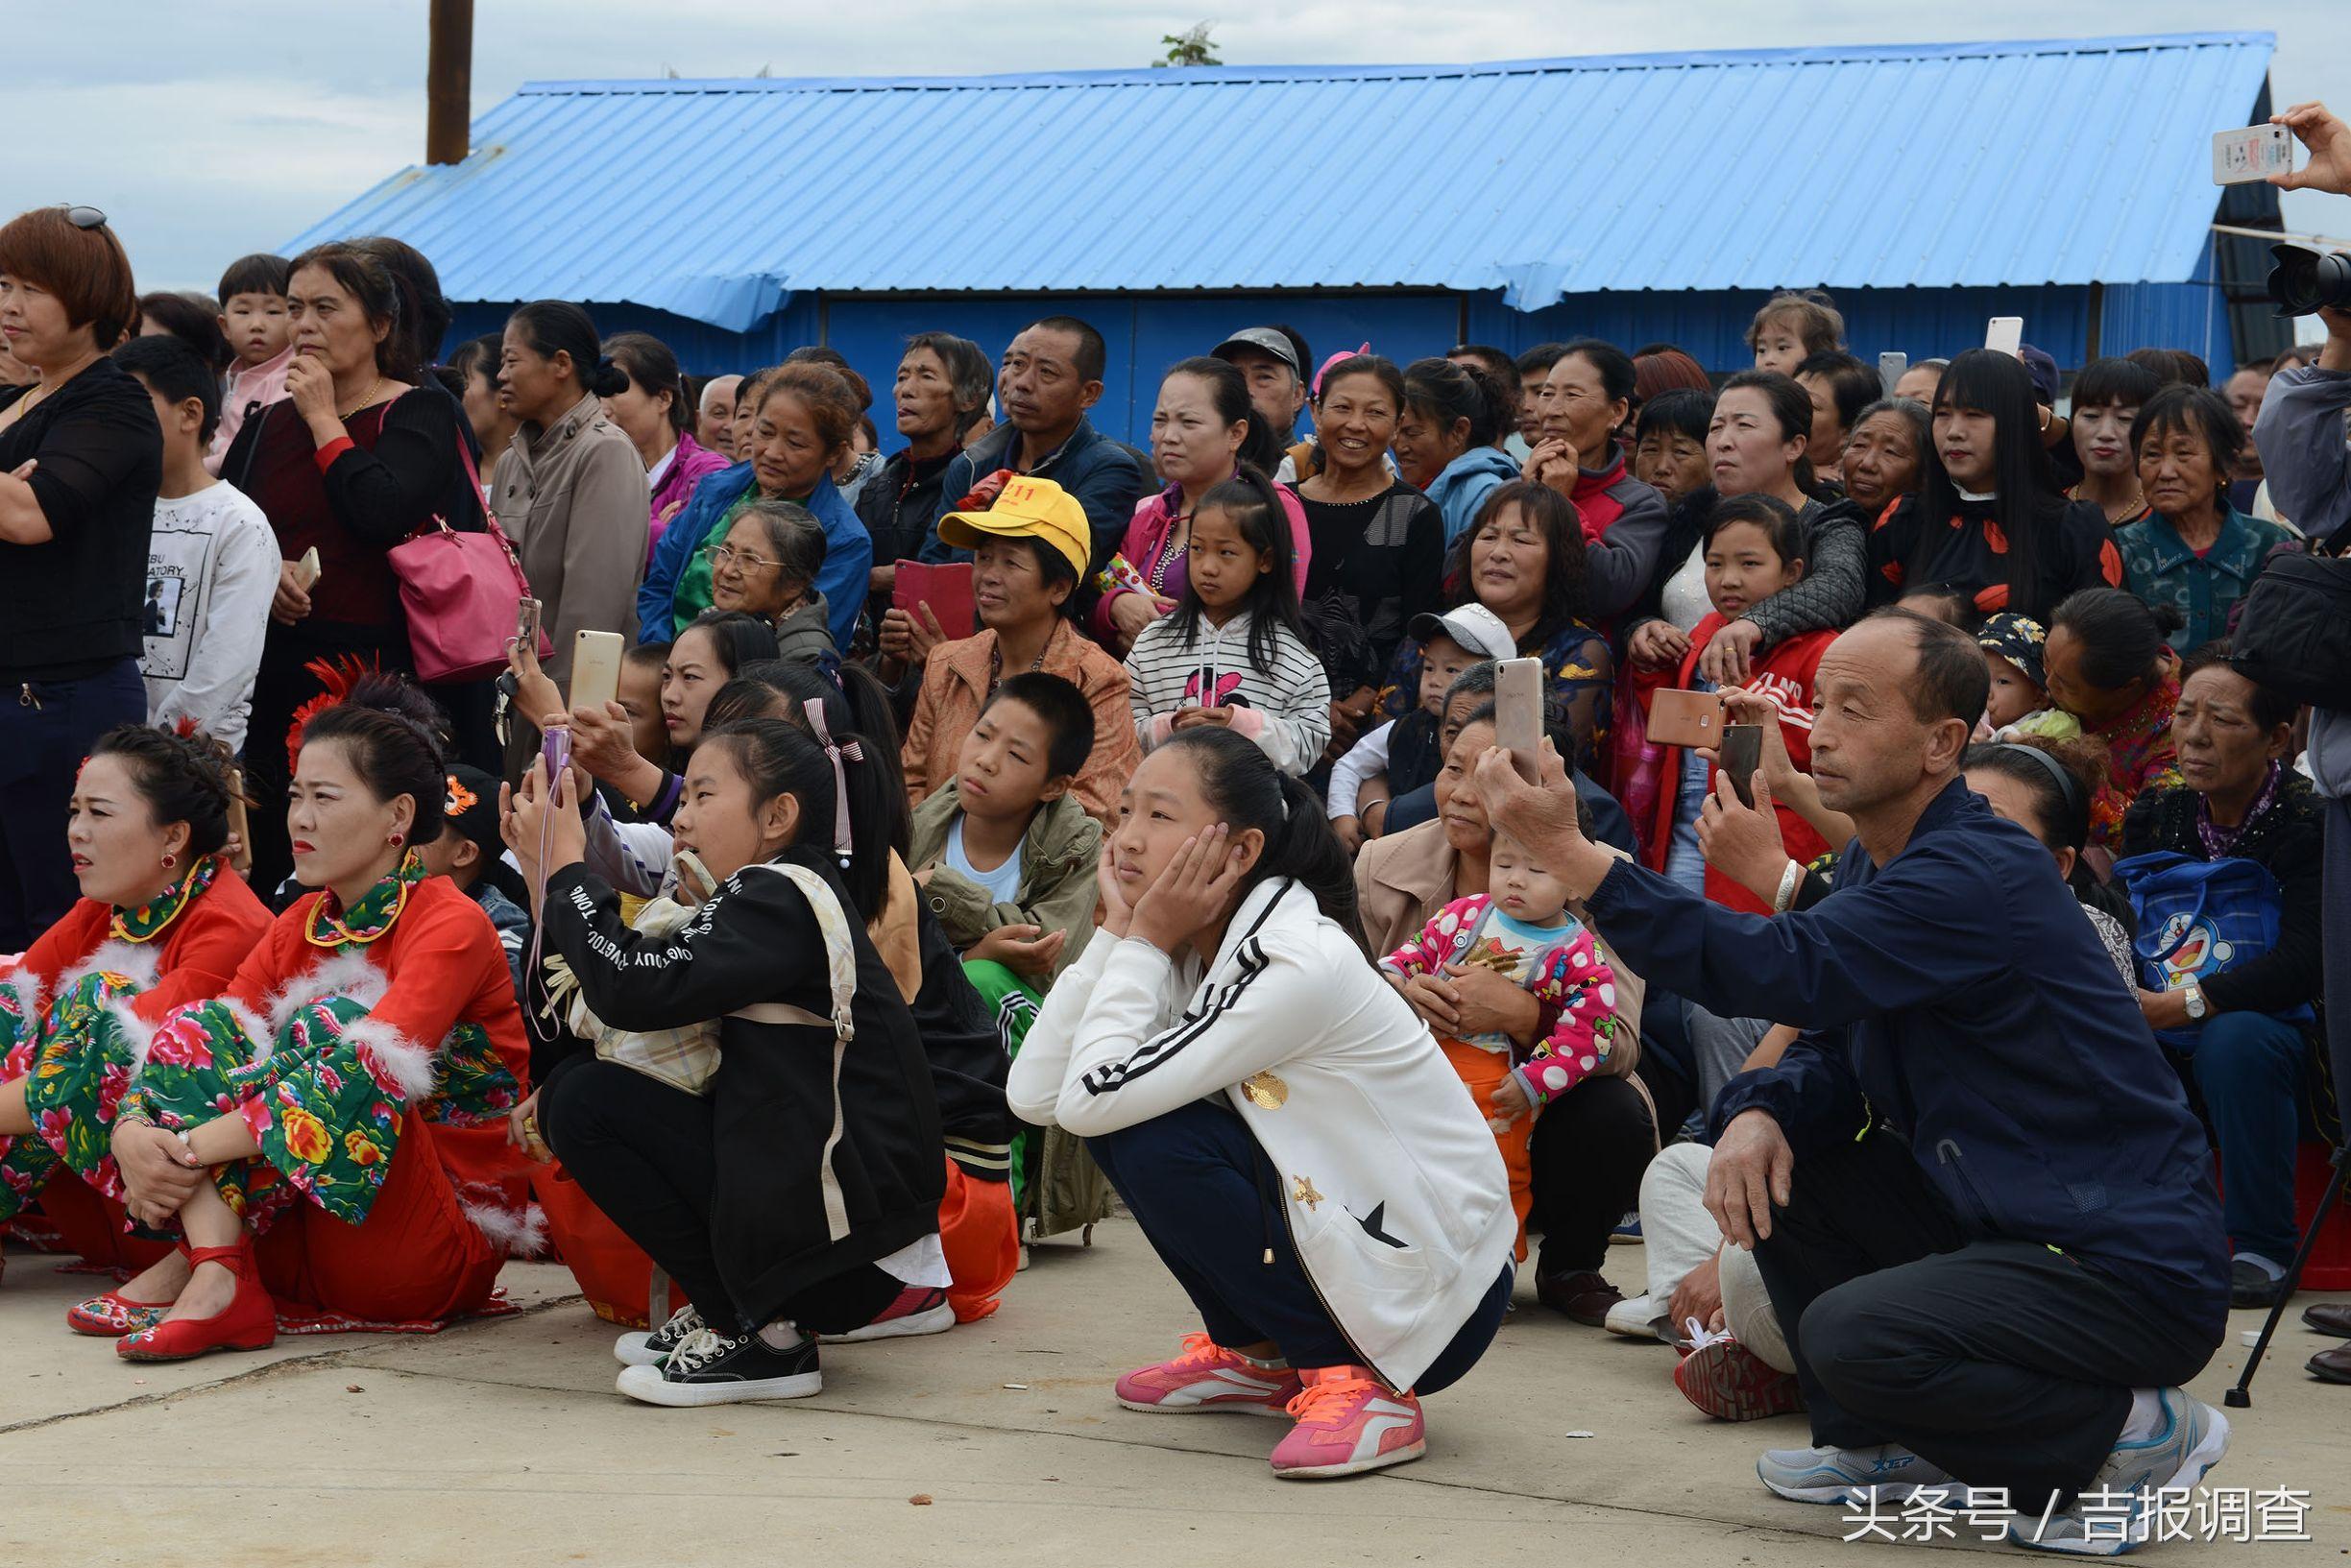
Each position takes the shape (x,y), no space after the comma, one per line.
(346,1092)
(1282,1126)
(796,1193)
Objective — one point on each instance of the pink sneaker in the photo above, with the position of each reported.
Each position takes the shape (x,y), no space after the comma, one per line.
(1208,1377)
(1731,1383)
(1348,1422)
(919,1310)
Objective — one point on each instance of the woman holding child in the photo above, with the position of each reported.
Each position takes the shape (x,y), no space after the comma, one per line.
(1285,1131)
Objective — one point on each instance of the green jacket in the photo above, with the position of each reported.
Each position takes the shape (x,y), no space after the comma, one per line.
(2158,567)
(1059,857)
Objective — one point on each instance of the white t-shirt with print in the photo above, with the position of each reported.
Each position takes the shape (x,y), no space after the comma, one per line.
(211,572)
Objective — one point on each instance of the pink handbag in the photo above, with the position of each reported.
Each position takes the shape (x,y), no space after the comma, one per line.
(459,592)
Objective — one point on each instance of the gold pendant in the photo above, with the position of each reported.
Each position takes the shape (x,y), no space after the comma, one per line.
(1264,1091)
(1302,1190)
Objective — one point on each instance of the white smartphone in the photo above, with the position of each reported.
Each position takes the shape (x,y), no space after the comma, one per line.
(1518,713)
(2005,335)
(2240,158)
(307,570)
(1891,366)
(595,668)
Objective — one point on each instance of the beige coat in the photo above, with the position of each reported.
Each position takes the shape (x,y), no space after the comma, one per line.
(1403,880)
(572,497)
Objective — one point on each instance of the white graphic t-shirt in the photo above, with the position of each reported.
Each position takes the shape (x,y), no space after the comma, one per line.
(211,572)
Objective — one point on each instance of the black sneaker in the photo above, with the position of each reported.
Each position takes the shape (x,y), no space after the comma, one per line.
(652,1349)
(2250,1285)
(712,1369)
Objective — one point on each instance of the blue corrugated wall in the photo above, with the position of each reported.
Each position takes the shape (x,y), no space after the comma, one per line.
(1146,333)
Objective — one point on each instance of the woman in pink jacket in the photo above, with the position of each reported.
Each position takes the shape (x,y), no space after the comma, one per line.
(1202,430)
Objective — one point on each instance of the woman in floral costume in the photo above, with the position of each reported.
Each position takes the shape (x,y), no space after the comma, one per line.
(162,921)
(345,1096)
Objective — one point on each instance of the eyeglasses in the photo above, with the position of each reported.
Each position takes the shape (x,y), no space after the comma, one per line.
(723,554)
(83,217)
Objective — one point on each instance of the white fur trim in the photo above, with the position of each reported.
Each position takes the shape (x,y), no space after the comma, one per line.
(352,975)
(393,1056)
(138,962)
(136,1030)
(29,991)
(519,1234)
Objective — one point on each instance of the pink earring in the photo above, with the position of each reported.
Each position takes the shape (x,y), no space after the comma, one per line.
(398,839)
(170,860)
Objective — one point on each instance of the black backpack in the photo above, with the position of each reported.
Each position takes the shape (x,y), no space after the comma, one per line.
(2294,634)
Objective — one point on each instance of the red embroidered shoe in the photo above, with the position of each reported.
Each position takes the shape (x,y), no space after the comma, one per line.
(113,1315)
(249,1322)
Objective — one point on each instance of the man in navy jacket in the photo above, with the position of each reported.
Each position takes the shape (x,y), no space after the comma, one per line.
(1976,1192)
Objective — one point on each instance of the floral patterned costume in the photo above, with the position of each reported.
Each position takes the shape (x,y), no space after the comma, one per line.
(95,962)
(386,1155)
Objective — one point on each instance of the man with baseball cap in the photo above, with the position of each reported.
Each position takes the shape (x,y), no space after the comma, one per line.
(1274,359)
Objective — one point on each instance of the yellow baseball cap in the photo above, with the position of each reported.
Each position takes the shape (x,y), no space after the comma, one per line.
(1027,509)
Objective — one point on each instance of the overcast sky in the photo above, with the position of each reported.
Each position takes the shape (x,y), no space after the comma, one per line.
(207,131)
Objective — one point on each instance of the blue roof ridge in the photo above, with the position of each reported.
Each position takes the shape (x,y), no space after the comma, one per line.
(1227,75)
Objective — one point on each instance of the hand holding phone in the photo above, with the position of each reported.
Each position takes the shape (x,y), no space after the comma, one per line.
(1741,754)
(526,624)
(1518,714)
(595,668)
(2250,155)
(1686,718)
(307,570)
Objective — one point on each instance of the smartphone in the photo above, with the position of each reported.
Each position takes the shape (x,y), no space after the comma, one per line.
(307,570)
(556,749)
(2005,335)
(526,623)
(1686,718)
(1518,714)
(237,824)
(595,668)
(1741,754)
(1890,369)
(2239,158)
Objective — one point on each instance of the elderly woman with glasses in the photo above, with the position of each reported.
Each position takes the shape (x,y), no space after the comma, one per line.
(766,567)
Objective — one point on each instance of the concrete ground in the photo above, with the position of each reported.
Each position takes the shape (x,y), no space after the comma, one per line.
(503,1442)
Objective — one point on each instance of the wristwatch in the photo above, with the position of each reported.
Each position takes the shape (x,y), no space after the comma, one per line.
(2196,1008)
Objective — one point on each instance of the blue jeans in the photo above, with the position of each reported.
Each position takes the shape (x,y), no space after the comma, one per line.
(2248,1072)
(46,728)
(1205,1194)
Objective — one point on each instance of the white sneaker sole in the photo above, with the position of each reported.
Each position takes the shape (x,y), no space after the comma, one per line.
(1839,1491)
(646,1386)
(1355,1467)
(633,1350)
(1209,1407)
(1634,1329)
(938,1320)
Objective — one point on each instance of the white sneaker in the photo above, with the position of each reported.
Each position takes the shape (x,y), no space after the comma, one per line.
(1637,1317)
(2115,1511)
(712,1369)
(652,1349)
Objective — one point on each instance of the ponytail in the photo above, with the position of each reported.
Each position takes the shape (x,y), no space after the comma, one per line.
(1245,790)
(781,759)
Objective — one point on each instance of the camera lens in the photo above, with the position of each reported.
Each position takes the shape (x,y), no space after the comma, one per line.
(2304,281)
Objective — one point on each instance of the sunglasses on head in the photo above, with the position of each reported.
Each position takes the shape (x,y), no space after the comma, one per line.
(83,217)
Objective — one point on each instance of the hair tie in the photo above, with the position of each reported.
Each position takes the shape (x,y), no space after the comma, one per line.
(855,753)
(829,666)
(2068,788)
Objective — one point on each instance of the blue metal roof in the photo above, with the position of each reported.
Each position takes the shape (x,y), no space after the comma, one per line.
(1928,165)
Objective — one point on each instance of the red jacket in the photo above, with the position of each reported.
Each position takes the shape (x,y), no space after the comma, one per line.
(187,961)
(1784,673)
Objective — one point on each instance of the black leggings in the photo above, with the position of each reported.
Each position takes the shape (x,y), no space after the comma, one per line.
(643,1152)
(1587,1156)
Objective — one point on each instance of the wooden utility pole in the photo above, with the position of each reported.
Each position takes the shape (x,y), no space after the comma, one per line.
(448,82)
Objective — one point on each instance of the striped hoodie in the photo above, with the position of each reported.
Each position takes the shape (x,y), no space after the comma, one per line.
(1285,709)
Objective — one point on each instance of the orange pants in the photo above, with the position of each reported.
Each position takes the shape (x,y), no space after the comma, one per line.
(1482,1072)
(979,1233)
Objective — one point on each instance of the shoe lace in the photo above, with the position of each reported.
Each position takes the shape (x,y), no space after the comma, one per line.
(698,1349)
(1330,1403)
(1200,1350)
(1701,1336)
(682,1322)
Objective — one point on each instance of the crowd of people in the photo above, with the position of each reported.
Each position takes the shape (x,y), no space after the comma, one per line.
(1016,818)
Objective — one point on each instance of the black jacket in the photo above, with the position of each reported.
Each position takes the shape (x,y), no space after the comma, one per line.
(2287,840)
(898,502)
(73,606)
(828,1153)
(968,1063)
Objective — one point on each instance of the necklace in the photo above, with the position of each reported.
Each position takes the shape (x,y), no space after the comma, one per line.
(365,399)
(49,383)
(996,663)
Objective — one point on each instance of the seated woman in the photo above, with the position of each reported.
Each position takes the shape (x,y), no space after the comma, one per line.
(2240,1025)
(1298,1153)
(1752,548)
(798,1193)
(162,920)
(1524,561)
(1588,1148)
(345,1096)
(1028,551)
(2107,661)
(766,567)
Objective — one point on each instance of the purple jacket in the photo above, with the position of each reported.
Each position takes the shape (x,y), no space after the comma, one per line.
(686,466)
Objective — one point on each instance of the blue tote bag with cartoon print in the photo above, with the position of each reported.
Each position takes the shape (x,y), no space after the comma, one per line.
(2197,918)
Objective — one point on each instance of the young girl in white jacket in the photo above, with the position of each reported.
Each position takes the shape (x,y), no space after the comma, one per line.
(1280,1123)
(1233,651)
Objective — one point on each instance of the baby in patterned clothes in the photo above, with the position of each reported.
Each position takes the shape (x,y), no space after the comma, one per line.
(1520,930)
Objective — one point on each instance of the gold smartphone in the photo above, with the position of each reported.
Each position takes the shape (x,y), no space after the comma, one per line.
(1518,714)
(1686,718)
(239,825)
(595,668)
